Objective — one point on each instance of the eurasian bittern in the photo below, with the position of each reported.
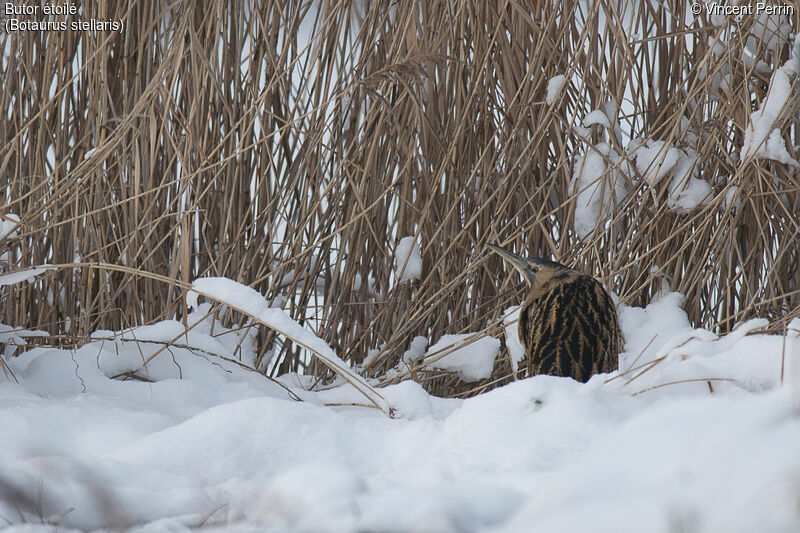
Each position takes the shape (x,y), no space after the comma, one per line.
(568,323)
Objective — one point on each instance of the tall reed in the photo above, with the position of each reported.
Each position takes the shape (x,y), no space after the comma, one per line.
(290,145)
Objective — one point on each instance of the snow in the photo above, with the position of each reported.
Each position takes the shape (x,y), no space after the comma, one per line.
(8,226)
(732,199)
(761,137)
(686,191)
(792,66)
(293,276)
(597,188)
(580,131)
(596,117)
(696,432)
(416,349)
(247,300)
(775,149)
(656,160)
(12,338)
(408,260)
(770,30)
(511,328)
(686,131)
(11,278)
(472,358)
(554,86)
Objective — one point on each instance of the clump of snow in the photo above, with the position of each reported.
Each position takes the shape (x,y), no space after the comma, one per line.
(408,260)
(416,349)
(8,226)
(716,45)
(472,360)
(611,110)
(156,353)
(597,186)
(297,276)
(410,360)
(554,86)
(370,288)
(11,278)
(769,29)
(372,353)
(761,137)
(656,160)
(596,117)
(11,339)
(721,78)
(685,198)
(689,136)
(511,327)
(732,199)
(792,66)
(584,133)
(411,401)
(686,191)
(775,149)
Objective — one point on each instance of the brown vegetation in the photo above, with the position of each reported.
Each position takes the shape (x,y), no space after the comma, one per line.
(290,147)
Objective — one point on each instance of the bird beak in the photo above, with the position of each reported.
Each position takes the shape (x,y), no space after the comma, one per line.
(523,264)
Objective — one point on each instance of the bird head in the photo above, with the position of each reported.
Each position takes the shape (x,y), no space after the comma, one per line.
(534,270)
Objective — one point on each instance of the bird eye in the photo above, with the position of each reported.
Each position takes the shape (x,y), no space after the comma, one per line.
(536,269)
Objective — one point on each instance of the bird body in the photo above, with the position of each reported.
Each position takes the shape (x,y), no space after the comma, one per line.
(568,323)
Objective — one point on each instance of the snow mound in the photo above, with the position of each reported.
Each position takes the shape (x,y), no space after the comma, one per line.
(695,429)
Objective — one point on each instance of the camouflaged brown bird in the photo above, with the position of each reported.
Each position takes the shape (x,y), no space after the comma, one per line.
(568,323)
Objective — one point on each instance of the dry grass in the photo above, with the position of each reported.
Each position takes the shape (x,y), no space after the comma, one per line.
(291,146)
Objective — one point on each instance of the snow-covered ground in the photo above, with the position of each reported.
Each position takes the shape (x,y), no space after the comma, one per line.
(706,439)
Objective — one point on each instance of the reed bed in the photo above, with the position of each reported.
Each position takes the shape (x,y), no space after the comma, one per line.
(291,145)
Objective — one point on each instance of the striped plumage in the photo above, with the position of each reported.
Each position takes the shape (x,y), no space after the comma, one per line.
(568,323)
